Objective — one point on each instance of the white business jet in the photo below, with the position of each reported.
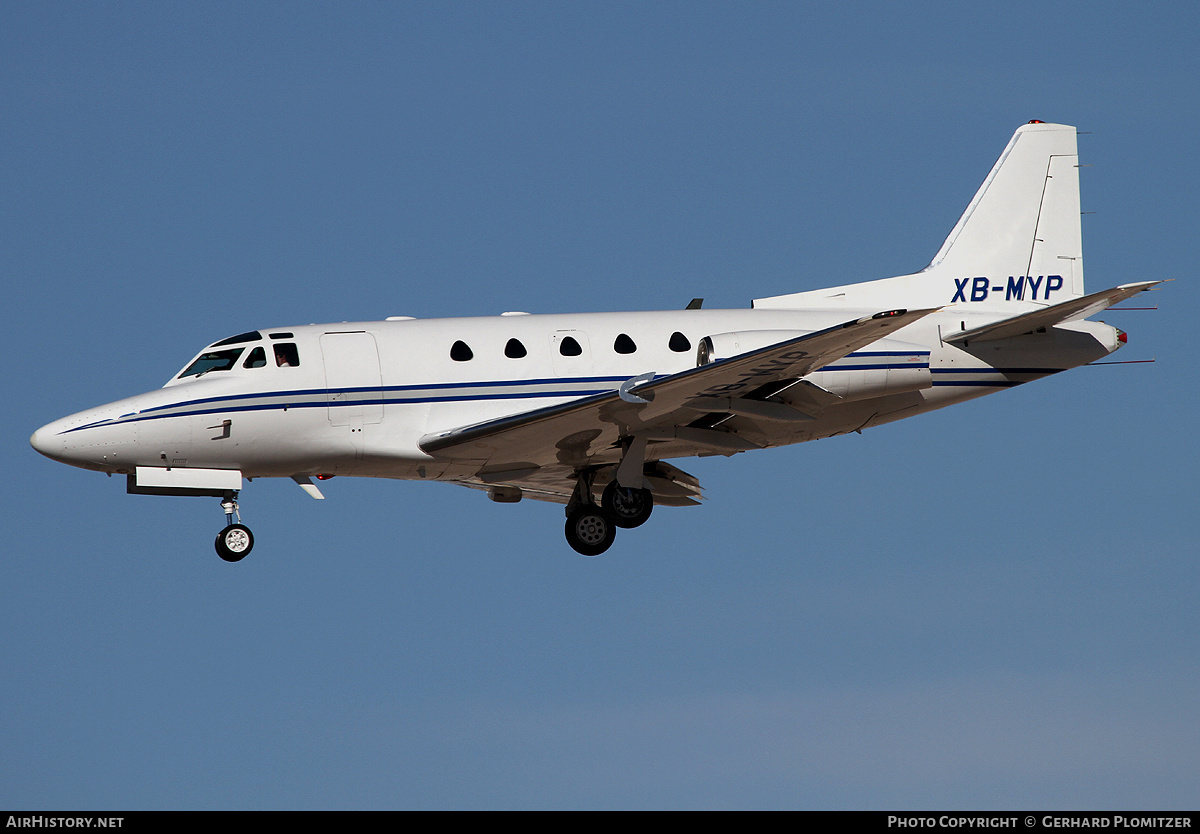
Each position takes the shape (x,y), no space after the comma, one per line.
(585,410)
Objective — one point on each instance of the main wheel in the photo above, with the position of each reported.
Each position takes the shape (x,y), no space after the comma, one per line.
(590,531)
(234,542)
(628,507)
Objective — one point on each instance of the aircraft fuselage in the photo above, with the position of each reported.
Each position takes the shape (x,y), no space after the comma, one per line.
(363,394)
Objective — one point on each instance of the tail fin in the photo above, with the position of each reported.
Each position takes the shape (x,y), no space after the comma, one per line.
(1024,219)
(1019,239)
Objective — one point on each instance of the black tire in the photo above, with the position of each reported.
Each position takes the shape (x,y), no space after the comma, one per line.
(590,531)
(235,542)
(628,508)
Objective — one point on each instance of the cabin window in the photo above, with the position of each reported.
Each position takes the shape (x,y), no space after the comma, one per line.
(679,343)
(256,359)
(514,349)
(569,347)
(213,360)
(286,355)
(460,352)
(624,344)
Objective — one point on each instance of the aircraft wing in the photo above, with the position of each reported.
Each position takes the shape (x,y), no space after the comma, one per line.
(1073,310)
(586,431)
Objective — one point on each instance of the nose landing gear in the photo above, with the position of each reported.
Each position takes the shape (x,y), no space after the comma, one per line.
(235,542)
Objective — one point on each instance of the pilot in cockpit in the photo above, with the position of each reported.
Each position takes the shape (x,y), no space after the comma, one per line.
(286,356)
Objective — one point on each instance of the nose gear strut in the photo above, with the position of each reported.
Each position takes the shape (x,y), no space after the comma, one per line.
(235,541)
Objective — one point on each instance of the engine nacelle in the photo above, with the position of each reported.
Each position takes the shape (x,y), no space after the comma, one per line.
(724,345)
(887,366)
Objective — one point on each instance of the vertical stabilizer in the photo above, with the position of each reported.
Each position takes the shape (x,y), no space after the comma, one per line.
(1024,220)
(1018,241)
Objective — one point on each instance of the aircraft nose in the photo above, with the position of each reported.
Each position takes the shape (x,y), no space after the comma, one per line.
(48,441)
(95,439)
(63,442)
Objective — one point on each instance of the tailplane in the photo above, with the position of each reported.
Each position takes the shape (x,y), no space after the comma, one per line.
(1018,241)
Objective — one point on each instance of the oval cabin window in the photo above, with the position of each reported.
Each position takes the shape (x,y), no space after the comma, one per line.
(514,349)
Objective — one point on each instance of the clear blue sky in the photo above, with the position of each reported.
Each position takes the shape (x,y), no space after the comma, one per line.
(993,606)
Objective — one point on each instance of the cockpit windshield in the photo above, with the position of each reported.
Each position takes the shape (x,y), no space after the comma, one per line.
(213,360)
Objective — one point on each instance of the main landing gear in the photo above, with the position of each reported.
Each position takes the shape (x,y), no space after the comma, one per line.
(235,542)
(591,529)
(628,507)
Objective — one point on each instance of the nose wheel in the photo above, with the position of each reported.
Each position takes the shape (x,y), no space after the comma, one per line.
(236,541)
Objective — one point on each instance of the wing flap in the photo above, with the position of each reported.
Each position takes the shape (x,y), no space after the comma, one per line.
(672,487)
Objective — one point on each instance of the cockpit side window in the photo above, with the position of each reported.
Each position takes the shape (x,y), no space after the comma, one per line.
(256,359)
(286,355)
(213,360)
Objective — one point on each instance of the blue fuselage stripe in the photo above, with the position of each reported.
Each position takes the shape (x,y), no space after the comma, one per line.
(428,393)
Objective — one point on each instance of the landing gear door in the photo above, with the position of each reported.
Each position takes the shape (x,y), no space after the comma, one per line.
(352,379)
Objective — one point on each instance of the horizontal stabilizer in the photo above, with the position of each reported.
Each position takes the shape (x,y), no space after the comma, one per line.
(1073,310)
